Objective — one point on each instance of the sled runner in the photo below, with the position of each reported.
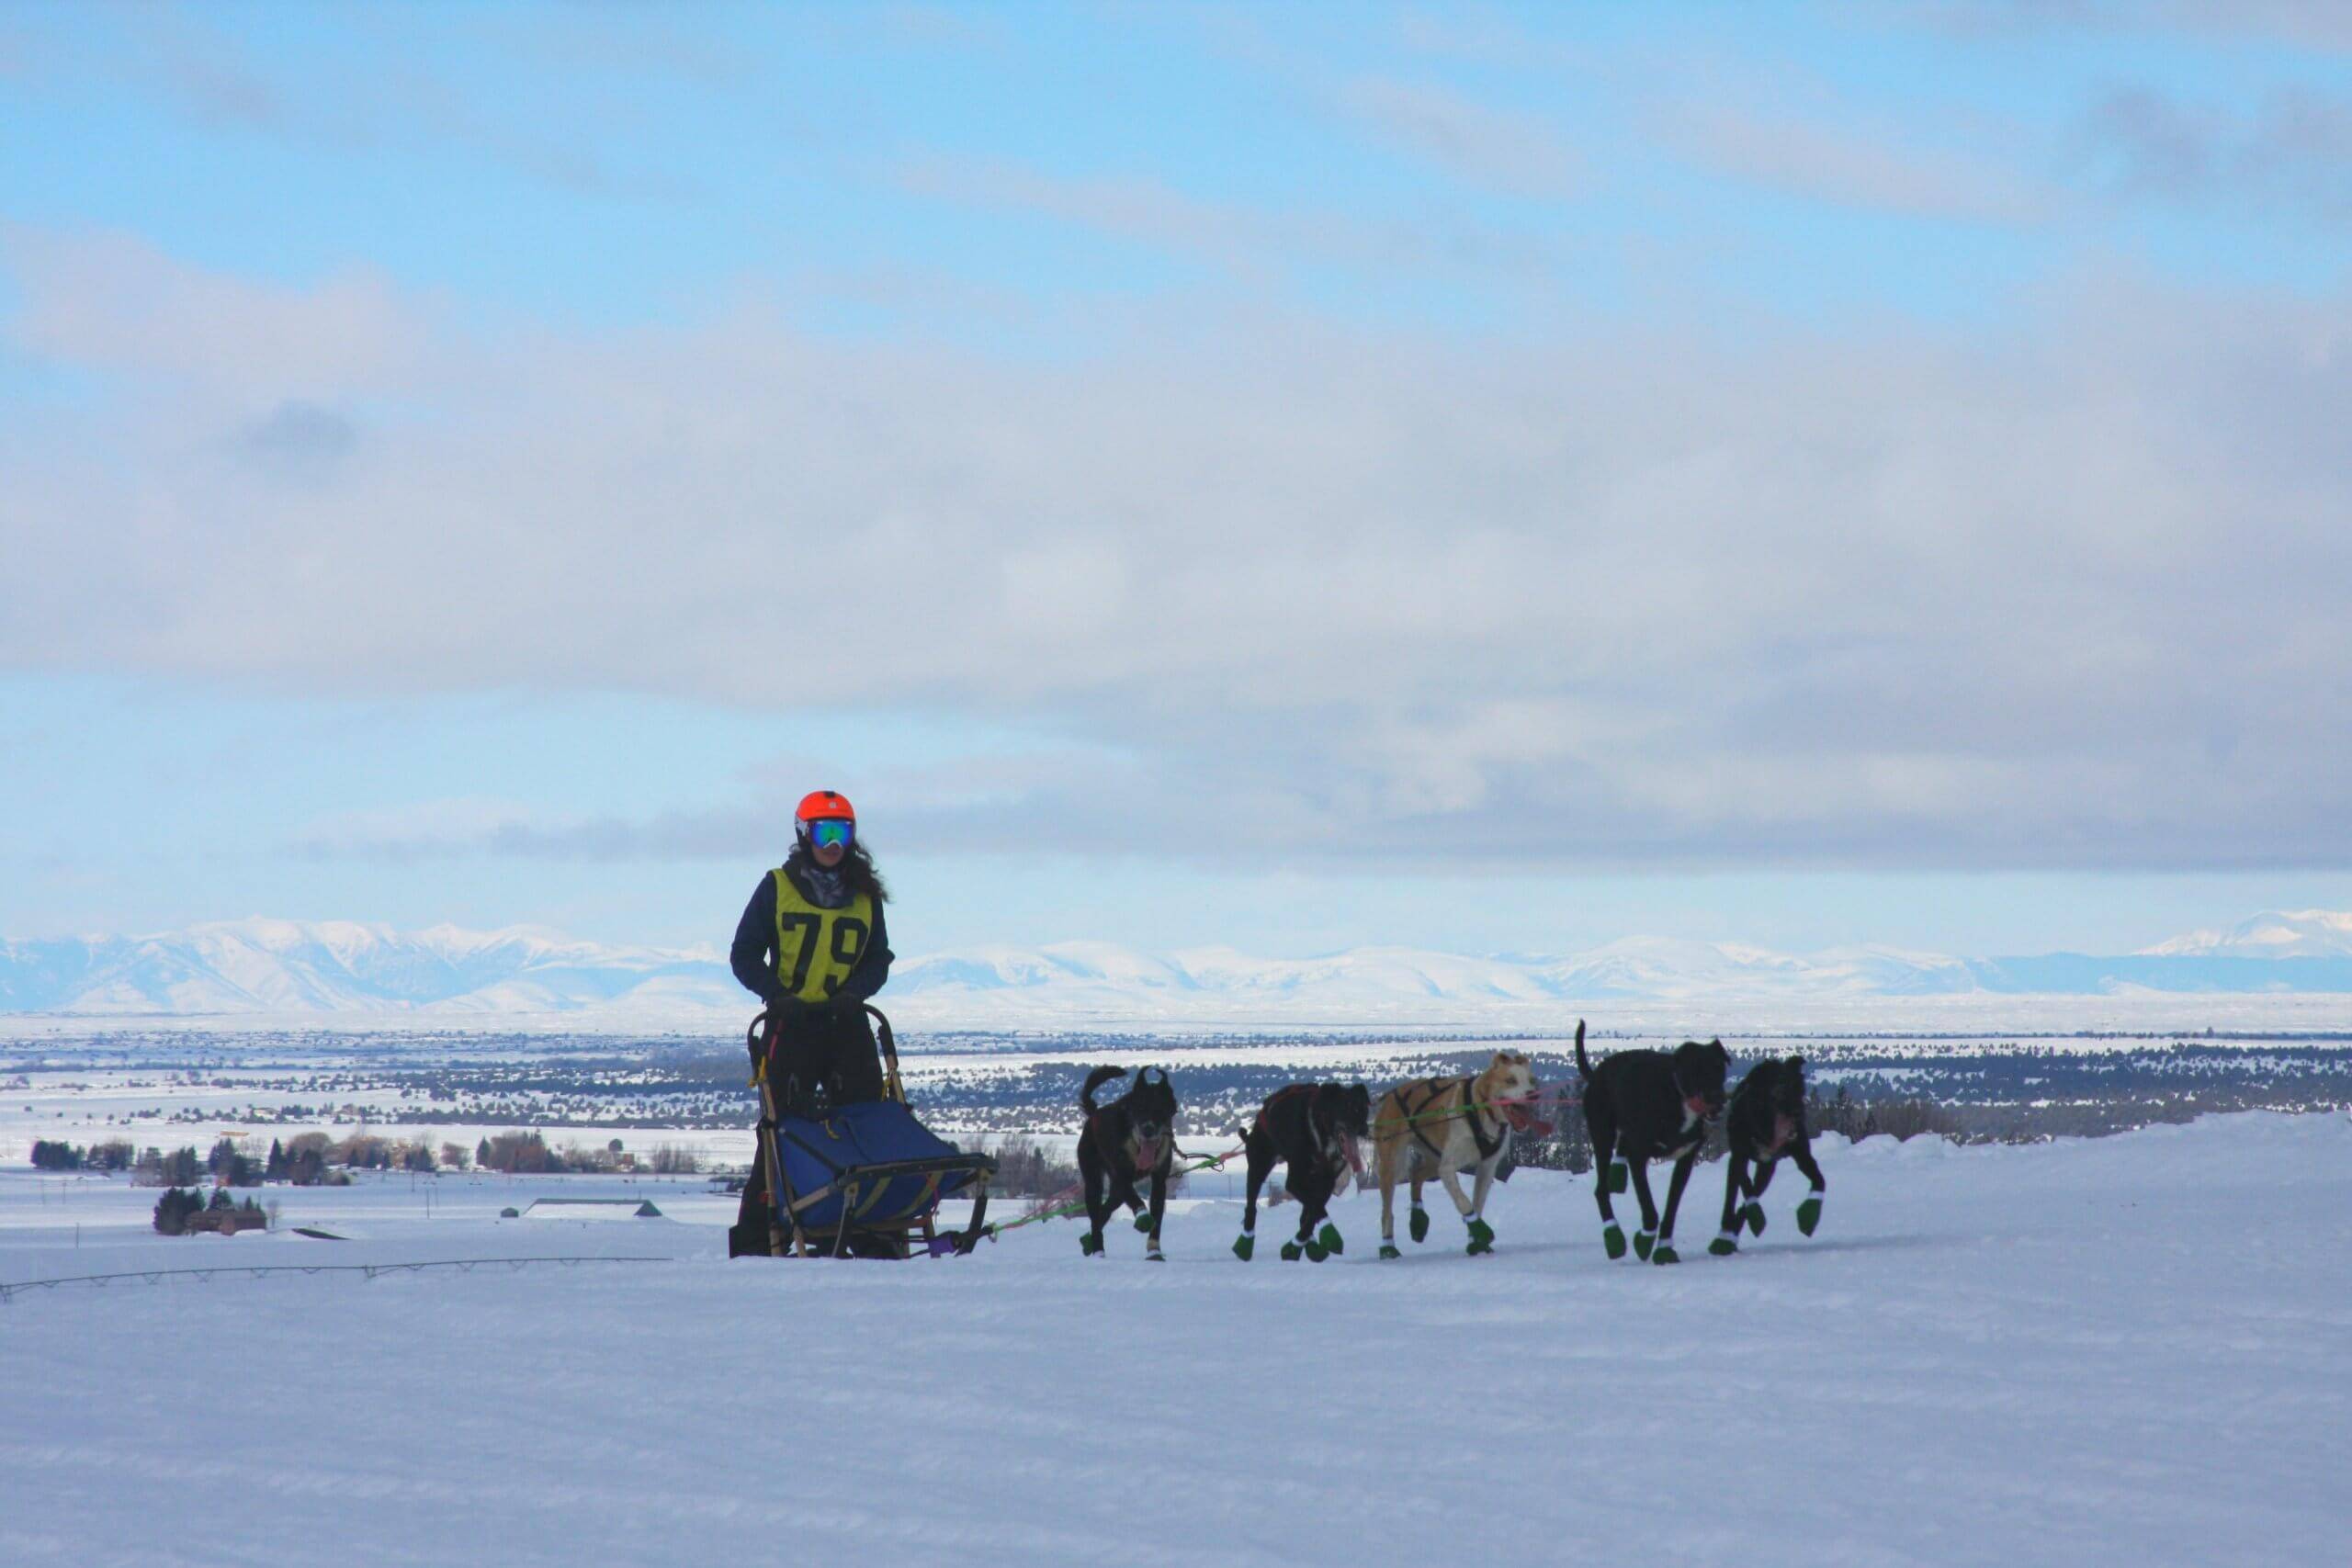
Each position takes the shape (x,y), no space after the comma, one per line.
(859,1180)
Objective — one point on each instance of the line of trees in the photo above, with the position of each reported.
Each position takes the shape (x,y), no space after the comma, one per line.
(153,1167)
(116,1154)
(529,1154)
(314,1159)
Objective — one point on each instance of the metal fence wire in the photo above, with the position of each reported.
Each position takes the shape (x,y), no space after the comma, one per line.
(10,1290)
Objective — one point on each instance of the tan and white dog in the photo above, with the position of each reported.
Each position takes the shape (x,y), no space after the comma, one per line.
(1444,1126)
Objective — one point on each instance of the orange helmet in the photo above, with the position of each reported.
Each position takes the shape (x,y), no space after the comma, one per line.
(821,806)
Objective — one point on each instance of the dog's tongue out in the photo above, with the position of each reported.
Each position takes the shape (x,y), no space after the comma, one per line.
(1146,1153)
(1520,1114)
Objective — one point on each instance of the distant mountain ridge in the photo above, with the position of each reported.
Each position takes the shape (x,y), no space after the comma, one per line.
(327,968)
(330,966)
(2303,933)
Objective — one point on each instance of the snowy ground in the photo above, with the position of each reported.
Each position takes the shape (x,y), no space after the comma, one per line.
(2140,1344)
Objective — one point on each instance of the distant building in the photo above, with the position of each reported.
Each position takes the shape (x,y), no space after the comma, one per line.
(591,1209)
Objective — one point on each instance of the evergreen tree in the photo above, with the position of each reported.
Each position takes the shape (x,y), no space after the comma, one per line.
(172,1209)
(274,1171)
(48,1155)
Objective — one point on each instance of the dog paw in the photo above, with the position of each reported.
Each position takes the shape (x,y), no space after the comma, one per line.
(1613,1239)
(1643,1242)
(1620,1176)
(1244,1246)
(1152,1255)
(1482,1237)
(1090,1244)
(1754,1216)
(1809,1214)
(1329,1237)
(1419,1224)
(1316,1251)
(1389,1249)
(1664,1252)
(1143,1221)
(1291,1252)
(1723,1247)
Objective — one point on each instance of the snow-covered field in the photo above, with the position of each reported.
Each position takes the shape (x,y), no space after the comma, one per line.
(2137,1346)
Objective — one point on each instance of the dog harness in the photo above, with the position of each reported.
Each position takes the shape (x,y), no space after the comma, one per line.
(1266,1110)
(1431,1089)
(1333,1145)
(1784,1128)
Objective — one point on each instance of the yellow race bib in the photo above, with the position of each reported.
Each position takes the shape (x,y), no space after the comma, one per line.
(817,948)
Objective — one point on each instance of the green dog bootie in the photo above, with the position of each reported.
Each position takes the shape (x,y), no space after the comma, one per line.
(1316,1251)
(1809,1211)
(1482,1238)
(1419,1224)
(1612,1236)
(1754,1214)
(1389,1249)
(1291,1252)
(1620,1176)
(1664,1252)
(1643,1242)
(1244,1246)
(1726,1243)
(1329,1237)
(1090,1244)
(1143,1221)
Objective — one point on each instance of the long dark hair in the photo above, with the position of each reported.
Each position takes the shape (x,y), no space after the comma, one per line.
(857,865)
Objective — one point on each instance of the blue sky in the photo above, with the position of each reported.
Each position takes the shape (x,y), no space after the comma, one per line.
(1496,479)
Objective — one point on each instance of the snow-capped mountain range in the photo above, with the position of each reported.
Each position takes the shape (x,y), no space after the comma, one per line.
(2307,933)
(457,977)
(334,967)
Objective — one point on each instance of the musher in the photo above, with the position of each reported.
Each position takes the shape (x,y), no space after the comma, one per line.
(812,945)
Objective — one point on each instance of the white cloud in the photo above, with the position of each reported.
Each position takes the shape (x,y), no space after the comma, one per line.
(115,304)
(1853,164)
(2068,594)
(2316,24)
(1514,151)
(1254,244)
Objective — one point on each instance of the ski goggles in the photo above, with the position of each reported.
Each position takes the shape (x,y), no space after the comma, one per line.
(831,832)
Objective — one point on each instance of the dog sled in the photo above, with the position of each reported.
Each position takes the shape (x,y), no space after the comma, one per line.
(858,1180)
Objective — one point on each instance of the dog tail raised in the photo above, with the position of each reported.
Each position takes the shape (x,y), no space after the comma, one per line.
(1584,1068)
(1095,1080)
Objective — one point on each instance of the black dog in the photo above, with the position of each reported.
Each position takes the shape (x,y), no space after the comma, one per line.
(1766,1121)
(1134,1136)
(1647,1105)
(1311,1129)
